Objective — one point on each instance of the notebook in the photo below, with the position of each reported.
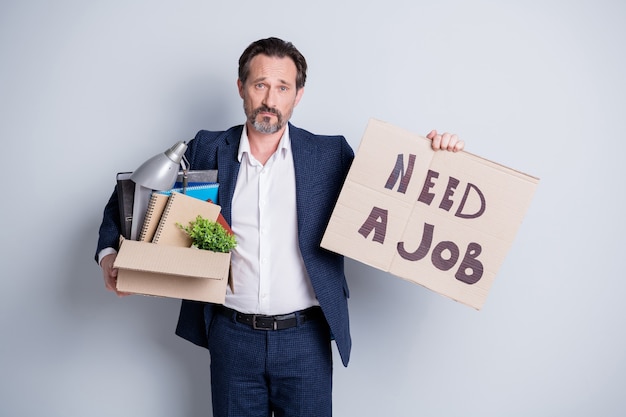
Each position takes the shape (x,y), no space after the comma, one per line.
(182,209)
(156,205)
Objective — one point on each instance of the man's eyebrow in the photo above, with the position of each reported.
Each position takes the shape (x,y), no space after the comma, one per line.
(280,80)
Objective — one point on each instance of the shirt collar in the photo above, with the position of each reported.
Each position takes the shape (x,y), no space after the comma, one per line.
(244,144)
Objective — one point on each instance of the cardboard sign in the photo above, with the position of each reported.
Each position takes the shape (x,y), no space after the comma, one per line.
(440,219)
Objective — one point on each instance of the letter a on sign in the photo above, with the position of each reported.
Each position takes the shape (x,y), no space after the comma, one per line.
(376,221)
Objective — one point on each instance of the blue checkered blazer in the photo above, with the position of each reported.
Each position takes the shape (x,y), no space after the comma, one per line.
(321,164)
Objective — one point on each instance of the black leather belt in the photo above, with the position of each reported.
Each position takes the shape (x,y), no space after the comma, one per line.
(279,322)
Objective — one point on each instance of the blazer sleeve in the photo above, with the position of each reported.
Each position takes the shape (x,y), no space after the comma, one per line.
(110,228)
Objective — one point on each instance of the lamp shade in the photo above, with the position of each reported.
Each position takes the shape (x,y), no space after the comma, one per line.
(160,171)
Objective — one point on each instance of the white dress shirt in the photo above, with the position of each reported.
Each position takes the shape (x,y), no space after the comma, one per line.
(269,275)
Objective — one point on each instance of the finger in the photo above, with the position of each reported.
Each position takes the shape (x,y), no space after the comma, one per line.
(454,140)
(110,278)
(454,144)
(111,285)
(446,138)
(431,135)
(436,142)
(110,282)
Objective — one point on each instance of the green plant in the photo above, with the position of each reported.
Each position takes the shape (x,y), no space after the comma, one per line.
(209,235)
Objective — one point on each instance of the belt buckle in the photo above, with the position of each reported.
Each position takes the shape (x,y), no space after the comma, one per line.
(256,327)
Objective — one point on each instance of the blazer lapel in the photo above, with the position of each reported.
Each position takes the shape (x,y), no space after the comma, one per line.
(305,166)
(227,170)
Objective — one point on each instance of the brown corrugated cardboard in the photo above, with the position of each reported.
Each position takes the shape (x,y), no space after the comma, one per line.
(439,219)
(170,271)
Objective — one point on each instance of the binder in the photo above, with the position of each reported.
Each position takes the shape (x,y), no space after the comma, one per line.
(182,209)
(126,198)
(197,177)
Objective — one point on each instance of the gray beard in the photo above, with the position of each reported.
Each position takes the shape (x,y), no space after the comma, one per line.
(267,127)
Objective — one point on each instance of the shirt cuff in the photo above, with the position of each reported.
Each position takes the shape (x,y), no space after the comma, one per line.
(104,252)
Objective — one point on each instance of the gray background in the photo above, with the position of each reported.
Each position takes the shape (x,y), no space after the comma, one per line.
(90,88)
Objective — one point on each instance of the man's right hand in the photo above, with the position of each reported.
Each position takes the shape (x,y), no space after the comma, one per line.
(110,274)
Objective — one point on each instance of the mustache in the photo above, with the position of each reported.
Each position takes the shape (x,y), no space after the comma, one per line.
(265,109)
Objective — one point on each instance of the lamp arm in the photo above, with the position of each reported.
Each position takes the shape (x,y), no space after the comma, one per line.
(184,162)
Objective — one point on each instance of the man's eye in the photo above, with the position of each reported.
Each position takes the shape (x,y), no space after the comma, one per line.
(260,86)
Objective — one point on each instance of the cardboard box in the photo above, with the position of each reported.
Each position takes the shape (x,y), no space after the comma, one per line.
(443,220)
(171,271)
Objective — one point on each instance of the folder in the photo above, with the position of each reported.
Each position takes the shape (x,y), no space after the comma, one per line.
(202,192)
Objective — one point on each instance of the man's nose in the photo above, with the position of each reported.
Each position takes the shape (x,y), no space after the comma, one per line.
(270,98)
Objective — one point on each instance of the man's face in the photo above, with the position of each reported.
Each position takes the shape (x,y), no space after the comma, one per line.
(269,94)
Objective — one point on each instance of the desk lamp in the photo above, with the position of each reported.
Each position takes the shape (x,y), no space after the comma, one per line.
(157,173)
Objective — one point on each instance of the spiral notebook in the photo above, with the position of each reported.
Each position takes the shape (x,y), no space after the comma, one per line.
(156,205)
(182,209)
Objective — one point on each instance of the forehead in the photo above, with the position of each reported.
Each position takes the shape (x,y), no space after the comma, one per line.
(263,67)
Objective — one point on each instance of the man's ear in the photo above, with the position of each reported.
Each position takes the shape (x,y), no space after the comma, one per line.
(299,95)
(240,87)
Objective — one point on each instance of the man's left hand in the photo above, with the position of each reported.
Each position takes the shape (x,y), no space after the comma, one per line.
(445,141)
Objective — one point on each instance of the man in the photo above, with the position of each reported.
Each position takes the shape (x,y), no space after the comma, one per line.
(270,344)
